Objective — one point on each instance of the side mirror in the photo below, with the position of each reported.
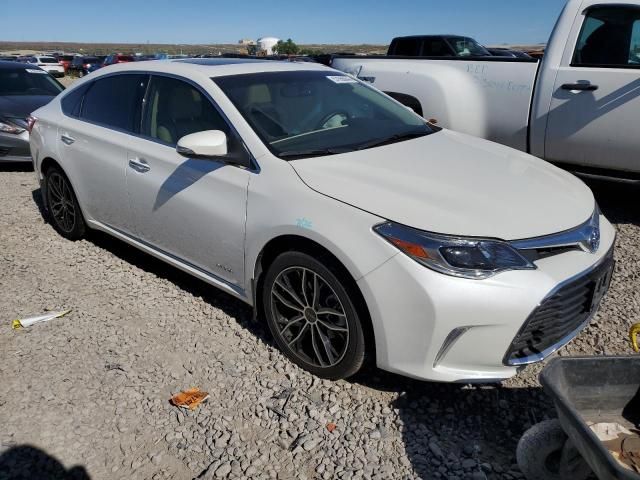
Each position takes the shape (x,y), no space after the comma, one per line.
(210,143)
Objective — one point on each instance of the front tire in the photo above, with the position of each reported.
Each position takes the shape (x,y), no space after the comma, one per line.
(312,316)
(63,210)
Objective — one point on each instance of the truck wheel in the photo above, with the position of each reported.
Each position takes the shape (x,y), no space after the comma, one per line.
(545,453)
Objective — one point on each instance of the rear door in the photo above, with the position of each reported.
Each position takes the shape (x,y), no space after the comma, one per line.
(94,136)
(595,108)
(192,209)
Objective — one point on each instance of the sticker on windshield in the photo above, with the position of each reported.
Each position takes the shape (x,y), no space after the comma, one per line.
(33,70)
(341,79)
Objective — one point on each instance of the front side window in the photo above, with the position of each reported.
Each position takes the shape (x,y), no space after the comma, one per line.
(435,47)
(27,81)
(174,108)
(114,101)
(313,113)
(467,47)
(610,37)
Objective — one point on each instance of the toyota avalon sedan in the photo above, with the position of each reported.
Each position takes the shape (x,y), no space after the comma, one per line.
(353,227)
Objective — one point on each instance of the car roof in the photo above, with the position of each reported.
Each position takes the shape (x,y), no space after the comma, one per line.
(210,67)
(9,64)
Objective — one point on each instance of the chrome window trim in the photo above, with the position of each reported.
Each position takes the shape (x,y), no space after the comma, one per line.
(255,168)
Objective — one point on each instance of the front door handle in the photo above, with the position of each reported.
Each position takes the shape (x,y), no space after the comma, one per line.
(140,165)
(585,87)
(66,139)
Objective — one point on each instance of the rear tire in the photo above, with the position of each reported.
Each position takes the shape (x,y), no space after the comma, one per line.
(312,317)
(63,210)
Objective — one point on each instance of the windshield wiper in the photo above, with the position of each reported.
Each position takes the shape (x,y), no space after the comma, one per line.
(293,154)
(398,137)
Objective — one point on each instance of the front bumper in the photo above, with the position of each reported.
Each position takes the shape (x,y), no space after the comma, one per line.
(14,148)
(432,326)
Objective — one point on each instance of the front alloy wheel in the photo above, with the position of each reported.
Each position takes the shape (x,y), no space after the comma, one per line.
(312,317)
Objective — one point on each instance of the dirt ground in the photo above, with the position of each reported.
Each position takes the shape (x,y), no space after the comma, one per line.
(86,395)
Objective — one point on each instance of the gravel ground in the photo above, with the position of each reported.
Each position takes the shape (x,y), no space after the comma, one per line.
(86,395)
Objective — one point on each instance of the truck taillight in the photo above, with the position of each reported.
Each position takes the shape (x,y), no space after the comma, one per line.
(31,121)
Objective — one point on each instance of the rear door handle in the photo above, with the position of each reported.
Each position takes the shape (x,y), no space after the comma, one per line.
(66,139)
(585,87)
(140,165)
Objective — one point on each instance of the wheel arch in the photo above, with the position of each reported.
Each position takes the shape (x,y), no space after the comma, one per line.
(293,242)
(408,101)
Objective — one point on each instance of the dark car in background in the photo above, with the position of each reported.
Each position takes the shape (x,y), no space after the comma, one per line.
(507,52)
(437,46)
(81,64)
(23,89)
(95,66)
(117,58)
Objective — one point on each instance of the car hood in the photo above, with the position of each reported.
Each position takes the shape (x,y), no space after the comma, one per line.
(20,106)
(452,183)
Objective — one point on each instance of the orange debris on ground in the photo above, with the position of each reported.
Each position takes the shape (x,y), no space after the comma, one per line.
(190,398)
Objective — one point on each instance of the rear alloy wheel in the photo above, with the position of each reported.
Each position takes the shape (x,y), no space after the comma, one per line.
(62,206)
(312,317)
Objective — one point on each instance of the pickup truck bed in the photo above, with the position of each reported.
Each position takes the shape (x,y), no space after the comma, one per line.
(492,97)
(579,106)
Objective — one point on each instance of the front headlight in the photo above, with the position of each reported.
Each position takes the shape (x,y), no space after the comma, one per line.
(458,256)
(11,126)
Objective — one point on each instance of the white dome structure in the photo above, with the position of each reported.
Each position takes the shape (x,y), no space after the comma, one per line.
(266,44)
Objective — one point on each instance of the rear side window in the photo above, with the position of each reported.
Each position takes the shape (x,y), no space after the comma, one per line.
(408,47)
(72,101)
(175,108)
(115,101)
(610,37)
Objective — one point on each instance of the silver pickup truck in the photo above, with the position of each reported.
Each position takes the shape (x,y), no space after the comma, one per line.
(579,106)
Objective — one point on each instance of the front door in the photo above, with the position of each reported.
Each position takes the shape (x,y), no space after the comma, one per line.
(192,209)
(593,117)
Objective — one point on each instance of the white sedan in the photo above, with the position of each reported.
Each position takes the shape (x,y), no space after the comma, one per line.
(355,228)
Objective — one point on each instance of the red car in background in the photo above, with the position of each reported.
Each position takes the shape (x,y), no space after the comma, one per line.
(65,61)
(117,58)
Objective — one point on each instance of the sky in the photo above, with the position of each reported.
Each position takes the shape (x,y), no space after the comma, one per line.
(490,22)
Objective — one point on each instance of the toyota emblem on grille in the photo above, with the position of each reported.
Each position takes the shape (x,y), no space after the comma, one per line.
(591,240)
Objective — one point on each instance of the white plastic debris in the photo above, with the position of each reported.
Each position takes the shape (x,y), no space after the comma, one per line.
(27,322)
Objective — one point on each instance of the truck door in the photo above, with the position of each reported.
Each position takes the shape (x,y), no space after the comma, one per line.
(594,115)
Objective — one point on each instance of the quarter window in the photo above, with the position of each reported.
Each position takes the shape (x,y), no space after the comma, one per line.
(174,108)
(114,101)
(610,37)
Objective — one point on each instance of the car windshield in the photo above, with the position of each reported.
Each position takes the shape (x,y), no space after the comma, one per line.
(27,81)
(312,113)
(48,60)
(467,47)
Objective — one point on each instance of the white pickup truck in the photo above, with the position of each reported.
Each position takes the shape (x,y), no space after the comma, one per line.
(579,106)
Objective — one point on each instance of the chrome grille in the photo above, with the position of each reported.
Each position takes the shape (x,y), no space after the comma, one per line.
(560,315)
